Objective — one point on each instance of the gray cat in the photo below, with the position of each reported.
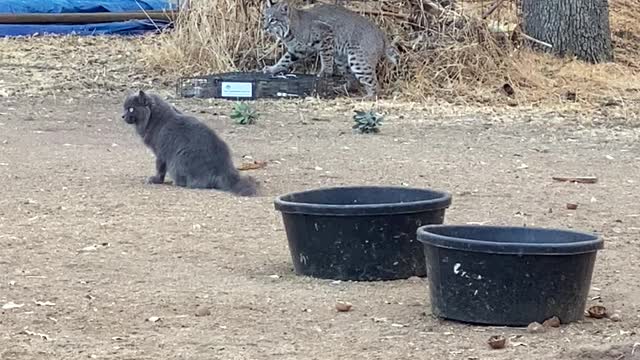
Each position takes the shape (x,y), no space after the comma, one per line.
(192,153)
(336,33)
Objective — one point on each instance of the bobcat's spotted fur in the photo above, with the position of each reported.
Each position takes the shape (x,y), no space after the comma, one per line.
(338,35)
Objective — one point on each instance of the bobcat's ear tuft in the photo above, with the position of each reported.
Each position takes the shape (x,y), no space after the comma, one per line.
(285,9)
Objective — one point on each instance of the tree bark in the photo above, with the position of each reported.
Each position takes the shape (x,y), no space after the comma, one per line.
(573,27)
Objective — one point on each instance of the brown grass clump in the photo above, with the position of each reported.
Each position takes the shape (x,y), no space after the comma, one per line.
(454,55)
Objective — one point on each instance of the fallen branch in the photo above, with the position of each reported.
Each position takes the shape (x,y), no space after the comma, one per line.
(536,40)
(577,179)
(492,9)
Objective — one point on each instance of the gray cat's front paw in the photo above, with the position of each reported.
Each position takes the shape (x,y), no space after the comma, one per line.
(154,180)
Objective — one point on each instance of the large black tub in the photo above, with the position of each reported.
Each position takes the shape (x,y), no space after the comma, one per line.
(508,275)
(362,233)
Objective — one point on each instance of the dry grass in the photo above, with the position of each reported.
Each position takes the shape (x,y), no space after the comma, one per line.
(439,59)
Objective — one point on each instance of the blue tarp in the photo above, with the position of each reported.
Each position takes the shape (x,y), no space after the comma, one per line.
(132,27)
(124,28)
(76,6)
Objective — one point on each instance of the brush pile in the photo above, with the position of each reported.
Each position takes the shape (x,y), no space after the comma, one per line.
(458,50)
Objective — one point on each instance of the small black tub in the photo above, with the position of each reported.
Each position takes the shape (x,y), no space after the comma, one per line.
(359,233)
(509,276)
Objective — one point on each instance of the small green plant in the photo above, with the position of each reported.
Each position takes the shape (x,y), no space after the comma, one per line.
(367,121)
(243,114)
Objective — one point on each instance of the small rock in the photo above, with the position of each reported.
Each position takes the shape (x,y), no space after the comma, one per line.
(343,306)
(536,328)
(497,342)
(571,206)
(203,311)
(552,322)
(615,317)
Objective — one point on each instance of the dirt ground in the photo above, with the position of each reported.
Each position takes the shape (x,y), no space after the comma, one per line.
(91,255)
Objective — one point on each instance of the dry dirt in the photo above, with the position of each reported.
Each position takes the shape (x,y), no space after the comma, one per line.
(90,253)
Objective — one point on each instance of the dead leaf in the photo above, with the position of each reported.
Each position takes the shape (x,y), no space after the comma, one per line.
(597,312)
(256,164)
(11,305)
(577,179)
(44,337)
(497,342)
(343,306)
(44,303)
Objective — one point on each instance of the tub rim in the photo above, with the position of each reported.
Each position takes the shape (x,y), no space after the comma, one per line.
(442,201)
(592,242)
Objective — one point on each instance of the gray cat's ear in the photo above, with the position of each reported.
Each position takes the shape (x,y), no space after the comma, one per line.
(143,98)
(269,3)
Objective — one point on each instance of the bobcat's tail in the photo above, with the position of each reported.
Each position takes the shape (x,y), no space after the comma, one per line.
(245,186)
(391,53)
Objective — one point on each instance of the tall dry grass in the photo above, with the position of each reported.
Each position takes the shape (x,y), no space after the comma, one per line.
(461,61)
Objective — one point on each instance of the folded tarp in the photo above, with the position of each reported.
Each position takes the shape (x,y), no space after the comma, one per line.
(125,28)
(81,6)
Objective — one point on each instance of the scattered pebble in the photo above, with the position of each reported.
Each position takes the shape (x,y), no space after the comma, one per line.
(615,317)
(497,342)
(571,206)
(203,311)
(552,322)
(536,328)
(343,306)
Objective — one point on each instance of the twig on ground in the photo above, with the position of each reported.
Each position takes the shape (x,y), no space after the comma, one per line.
(536,40)
(492,9)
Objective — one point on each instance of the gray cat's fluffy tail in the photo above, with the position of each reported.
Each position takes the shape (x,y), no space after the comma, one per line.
(245,186)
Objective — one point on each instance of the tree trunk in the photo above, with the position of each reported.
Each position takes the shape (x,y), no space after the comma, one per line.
(572,27)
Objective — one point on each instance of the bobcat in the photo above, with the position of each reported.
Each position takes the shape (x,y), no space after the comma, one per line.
(339,35)
(192,153)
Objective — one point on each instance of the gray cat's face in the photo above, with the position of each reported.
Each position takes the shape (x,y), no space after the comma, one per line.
(275,18)
(137,108)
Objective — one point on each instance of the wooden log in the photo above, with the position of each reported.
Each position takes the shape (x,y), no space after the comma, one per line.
(86,18)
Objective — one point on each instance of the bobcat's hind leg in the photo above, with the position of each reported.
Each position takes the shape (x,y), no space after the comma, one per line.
(364,71)
(324,45)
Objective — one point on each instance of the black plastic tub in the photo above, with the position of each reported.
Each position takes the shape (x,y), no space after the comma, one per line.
(359,233)
(508,276)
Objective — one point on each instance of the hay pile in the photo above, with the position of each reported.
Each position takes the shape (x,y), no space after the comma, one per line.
(451,54)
